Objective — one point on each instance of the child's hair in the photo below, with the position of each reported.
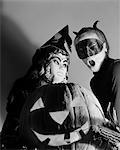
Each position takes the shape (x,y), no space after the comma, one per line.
(41,60)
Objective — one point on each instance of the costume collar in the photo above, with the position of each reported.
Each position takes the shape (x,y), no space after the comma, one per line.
(105,65)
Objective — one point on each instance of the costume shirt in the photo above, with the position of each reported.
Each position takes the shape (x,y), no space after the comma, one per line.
(20,91)
(106,86)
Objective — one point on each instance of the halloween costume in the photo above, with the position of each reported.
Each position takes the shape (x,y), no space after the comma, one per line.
(61,115)
(92,47)
(23,87)
(106,86)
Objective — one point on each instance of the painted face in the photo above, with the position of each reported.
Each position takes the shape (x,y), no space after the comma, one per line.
(58,67)
(94,62)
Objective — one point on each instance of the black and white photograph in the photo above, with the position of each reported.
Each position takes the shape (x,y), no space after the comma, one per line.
(60,75)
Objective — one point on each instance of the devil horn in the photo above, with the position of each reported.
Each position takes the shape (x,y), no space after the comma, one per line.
(75,33)
(95,24)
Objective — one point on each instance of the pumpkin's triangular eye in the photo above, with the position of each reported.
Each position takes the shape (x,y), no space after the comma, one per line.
(38,104)
(59,116)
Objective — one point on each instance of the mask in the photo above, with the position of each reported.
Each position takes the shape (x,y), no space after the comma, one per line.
(88,47)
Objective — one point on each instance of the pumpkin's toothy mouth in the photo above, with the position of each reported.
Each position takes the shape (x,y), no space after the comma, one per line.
(59,139)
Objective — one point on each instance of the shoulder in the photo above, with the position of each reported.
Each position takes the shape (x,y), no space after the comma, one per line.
(19,83)
(116,63)
(116,67)
(17,87)
(16,96)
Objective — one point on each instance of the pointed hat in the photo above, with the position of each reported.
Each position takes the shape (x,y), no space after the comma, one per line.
(60,40)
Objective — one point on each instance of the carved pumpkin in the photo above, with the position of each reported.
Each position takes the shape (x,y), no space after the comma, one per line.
(59,112)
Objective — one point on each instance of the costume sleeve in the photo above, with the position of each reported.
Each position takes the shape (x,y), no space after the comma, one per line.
(16,99)
(116,89)
(94,107)
(15,102)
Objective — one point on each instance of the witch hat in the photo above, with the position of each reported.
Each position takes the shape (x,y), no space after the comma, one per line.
(60,40)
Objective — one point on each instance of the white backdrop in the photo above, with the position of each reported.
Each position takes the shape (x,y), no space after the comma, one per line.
(27,24)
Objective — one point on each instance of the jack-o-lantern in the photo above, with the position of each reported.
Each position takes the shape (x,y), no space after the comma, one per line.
(58,112)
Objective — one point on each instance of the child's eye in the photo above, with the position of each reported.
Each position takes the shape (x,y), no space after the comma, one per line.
(56,61)
(65,65)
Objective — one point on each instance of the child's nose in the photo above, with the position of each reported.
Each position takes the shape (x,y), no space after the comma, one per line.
(61,66)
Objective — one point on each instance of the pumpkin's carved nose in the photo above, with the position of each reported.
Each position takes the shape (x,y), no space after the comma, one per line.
(59,116)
